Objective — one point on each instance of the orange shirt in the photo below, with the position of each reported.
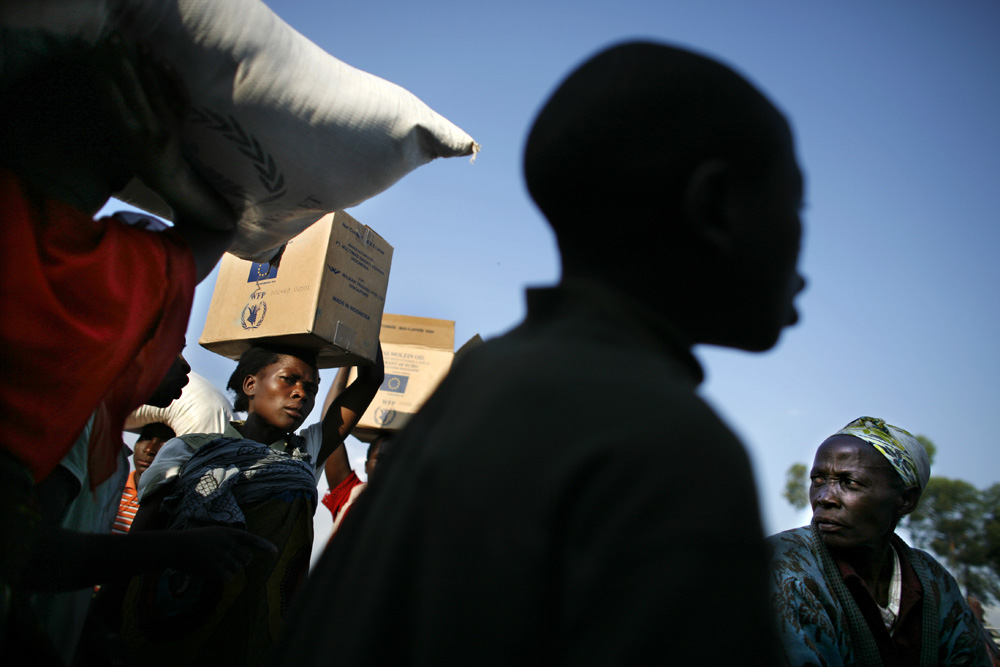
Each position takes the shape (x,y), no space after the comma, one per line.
(128,506)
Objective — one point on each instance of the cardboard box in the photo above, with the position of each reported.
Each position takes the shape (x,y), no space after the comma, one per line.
(327,294)
(418,353)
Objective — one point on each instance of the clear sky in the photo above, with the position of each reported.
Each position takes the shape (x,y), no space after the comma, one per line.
(895,109)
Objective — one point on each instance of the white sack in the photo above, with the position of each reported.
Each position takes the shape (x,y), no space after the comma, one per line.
(285,131)
(201,409)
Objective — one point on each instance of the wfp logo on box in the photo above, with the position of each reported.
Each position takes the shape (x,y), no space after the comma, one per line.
(253,315)
(394,383)
(384,417)
(262,271)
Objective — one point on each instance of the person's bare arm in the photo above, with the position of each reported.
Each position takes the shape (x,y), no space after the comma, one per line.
(337,466)
(336,389)
(345,410)
(65,560)
(151,104)
(212,555)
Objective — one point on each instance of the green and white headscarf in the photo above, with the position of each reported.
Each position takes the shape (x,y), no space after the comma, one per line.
(907,456)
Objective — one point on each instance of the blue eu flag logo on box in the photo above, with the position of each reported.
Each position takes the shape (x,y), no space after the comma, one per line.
(394,383)
(262,271)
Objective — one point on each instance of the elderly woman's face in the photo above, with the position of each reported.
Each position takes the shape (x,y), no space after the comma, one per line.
(855,494)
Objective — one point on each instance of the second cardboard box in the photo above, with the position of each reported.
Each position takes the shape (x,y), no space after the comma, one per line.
(418,353)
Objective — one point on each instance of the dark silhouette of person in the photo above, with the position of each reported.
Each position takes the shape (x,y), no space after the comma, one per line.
(566,497)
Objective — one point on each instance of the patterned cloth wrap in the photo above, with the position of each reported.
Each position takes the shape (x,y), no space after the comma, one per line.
(819,623)
(907,456)
(171,618)
(211,485)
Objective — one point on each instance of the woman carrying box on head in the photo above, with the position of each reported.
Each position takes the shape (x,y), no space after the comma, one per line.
(258,474)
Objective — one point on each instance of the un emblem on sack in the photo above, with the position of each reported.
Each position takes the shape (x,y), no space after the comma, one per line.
(253,314)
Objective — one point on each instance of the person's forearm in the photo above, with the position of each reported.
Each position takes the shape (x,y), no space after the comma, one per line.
(336,387)
(354,400)
(344,414)
(346,410)
(65,560)
(337,466)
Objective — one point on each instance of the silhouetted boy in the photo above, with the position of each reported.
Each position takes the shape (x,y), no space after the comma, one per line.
(566,497)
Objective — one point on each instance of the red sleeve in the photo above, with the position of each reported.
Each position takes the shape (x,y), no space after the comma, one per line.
(94,312)
(340,494)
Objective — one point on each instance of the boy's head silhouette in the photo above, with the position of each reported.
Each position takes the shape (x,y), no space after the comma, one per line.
(671,177)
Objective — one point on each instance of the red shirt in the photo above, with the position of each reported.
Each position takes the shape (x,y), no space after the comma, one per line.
(92,314)
(337,499)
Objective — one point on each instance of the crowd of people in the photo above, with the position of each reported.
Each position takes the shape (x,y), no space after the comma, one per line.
(629,541)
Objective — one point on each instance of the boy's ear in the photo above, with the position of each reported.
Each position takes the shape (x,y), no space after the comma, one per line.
(707,205)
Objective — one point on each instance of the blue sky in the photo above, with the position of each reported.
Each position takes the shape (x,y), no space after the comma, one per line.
(894,106)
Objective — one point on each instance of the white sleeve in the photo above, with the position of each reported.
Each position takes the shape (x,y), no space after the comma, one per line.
(201,409)
(314,441)
(75,460)
(165,466)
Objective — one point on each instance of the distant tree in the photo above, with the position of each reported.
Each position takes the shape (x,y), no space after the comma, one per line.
(954,519)
(795,491)
(991,501)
